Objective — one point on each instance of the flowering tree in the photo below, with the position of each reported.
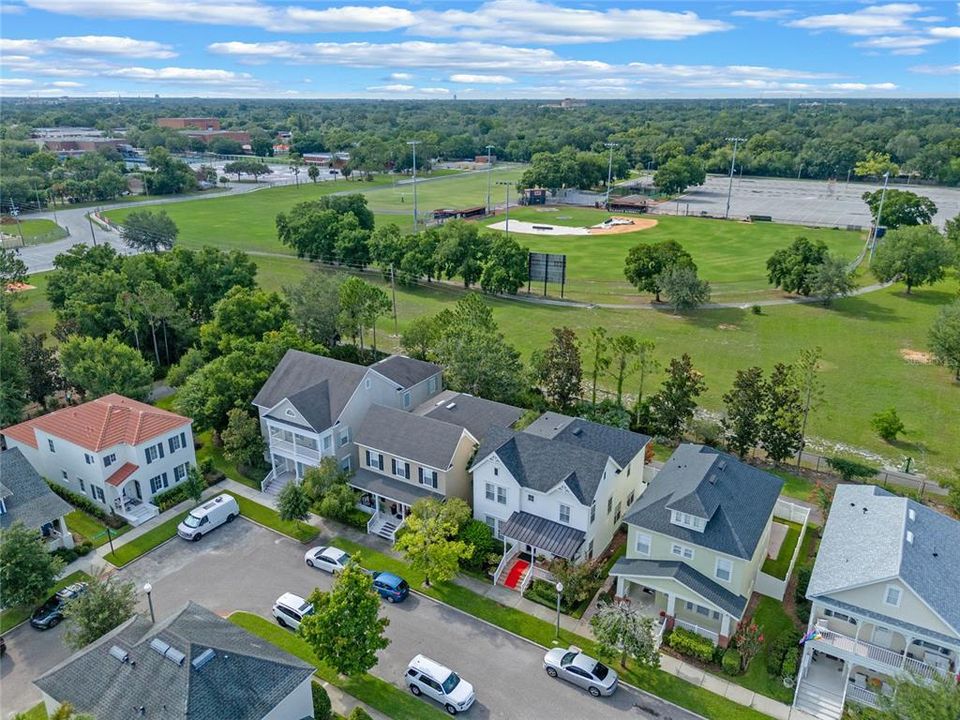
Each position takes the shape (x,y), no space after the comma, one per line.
(749,641)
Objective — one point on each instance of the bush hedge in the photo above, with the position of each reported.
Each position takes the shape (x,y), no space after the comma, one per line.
(358,713)
(82,502)
(731,662)
(791,663)
(800,593)
(322,709)
(689,643)
(68,555)
(778,650)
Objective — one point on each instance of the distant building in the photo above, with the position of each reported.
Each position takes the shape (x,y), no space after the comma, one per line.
(334,160)
(74,141)
(566,104)
(483,159)
(534,196)
(185,123)
(207,136)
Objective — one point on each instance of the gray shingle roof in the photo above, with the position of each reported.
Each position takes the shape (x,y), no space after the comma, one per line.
(404,371)
(737,498)
(542,464)
(318,386)
(388,487)
(543,534)
(685,575)
(31,501)
(865,541)
(622,445)
(414,437)
(245,680)
(475,414)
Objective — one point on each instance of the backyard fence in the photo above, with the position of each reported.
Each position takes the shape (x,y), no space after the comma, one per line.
(768,584)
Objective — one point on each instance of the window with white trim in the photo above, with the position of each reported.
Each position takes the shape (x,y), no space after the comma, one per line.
(326,442)
(154,452)
(180,472)
(97,492)
(630,498)
(892,595)
(432,385)
(109,460)
(682,551)
(643,544)
(344,436)
(723,569)
(63,474)
(429,478)
(501,495)
(406,400)
(530,497)
(158,483)
(565,514)
(83,487)
(174,443)
(400,469)
(88,458)
(593,511)
(494,524)
(687,520)
(619,512)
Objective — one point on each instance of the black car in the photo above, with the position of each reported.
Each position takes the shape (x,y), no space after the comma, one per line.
(50,613)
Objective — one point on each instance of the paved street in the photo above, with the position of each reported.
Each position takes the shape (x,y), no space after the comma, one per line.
(245,567)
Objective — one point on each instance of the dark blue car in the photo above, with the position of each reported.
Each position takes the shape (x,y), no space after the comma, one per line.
(393,589)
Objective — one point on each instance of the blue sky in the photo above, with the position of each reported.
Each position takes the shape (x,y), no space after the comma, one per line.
(494,49)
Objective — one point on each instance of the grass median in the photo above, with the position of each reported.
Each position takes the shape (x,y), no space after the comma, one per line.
(270,518)
(11,617)
(130,551)
(388,699)
(655,681)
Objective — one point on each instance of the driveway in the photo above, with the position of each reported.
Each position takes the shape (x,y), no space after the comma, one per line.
(245,567)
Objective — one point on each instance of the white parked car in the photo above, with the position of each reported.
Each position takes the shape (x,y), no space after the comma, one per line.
(212,514)
(327,557)
(290,610)
(579,669)
(437,682)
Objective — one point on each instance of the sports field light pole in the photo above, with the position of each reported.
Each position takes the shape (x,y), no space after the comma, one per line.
(413,145)
(489,174)
(611,146)
(733,164)
(506,217)
(876,223)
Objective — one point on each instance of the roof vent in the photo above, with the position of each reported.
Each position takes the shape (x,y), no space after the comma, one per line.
(721,465)
(159,646)
(578,431)
(202,659)
(909,537)
(712,479)
(119,654)
(451,406)
(175,656)
(912,513)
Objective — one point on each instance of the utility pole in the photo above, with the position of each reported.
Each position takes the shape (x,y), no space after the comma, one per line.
(393,288)
(733,164)
(92,233)
(489,175)
(876,223)
(611,146)
(506,225)
(15,211)
(413,146)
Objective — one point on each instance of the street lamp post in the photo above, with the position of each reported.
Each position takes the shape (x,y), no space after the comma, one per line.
(489,175)
(733,164)
(611,146)
(413,146)
(876,222)
(148,588)
(506,223)
(15,211)
(559,589)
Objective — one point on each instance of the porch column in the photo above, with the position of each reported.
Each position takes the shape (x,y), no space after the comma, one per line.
(621,584)
(908,642)
(671,604)
(724,638)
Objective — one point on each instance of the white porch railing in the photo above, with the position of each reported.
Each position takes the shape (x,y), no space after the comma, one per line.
(505,562)
(294,449)
(659,630)
(702,631)
(527,577)
(862,696)
(271,476)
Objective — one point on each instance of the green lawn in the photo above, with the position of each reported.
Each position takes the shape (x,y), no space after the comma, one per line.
(269,518)
(732,256)
(543,633)
(385,697)
(37,712)
(145,543)
(794,486)
(34,309)
(452,191)
(91,528)
(11,617)
(771,616)
(216,454)
(778,566)
(35,232)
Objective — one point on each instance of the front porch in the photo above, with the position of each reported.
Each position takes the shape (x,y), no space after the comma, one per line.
(529,540)
(126,497)
(826,683)
(56,534)
(387,500)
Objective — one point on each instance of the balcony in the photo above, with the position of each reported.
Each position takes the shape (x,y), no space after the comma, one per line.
(879,656)
(294,450)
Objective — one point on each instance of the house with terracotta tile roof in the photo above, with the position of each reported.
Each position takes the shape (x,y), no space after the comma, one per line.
(116,451)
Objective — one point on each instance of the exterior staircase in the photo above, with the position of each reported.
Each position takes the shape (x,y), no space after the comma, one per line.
(273,483)
(384,525)
(514,576)
(818,702)
(139,514)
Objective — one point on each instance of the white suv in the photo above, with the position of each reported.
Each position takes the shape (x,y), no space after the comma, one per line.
(428,677)
(290,610)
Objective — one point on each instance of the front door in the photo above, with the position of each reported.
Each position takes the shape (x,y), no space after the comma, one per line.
(136,489)
(882,636)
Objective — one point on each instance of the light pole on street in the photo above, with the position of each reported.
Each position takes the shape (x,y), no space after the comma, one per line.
(148,588)
(506,223)
(413,146)
(489,175)
(733,164)
(559,589)
(610,146)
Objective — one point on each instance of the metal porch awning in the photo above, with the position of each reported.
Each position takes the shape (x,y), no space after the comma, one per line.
(542,534)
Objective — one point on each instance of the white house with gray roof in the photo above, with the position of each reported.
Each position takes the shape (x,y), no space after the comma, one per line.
(405,457)
(311,406)
(885,594)
(26,498)
(696,541)
(559,488)
(193,666)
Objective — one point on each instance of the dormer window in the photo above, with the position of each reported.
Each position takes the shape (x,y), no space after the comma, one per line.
(687,520)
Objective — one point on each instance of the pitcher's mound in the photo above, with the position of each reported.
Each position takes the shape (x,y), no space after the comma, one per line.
(618,224)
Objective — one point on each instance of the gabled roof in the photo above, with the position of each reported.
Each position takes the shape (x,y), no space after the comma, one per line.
(475,414)
(699,583)
(28,498)
(122,473)
(319,387)
(405,371)
(244,678)
(414,437)
(736,498)
(622,445)
(102,423)
(865,541)
(542,464)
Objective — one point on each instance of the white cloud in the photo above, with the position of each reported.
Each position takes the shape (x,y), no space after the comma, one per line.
(899,45)
(395,88)
(872,20)
(481,79)
(179,75)
(91,45)
(15,82)
(352,18)
(66,84)
(936,69)
(863,86)
(952,33)
(434,91)
(764,14)
(401,76)
(8,8)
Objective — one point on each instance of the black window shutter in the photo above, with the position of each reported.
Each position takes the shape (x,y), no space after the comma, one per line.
(406,470)
(160,448)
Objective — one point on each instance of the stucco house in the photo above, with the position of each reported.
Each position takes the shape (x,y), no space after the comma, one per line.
(696,541)
(311,406)
(195,665)
(885,594)
(117,451)
(559,489)
(26,498)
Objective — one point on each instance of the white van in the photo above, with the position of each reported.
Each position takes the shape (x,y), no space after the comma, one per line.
(438,682)
(212,514)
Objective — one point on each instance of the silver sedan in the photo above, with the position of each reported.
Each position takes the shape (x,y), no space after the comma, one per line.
(579,669)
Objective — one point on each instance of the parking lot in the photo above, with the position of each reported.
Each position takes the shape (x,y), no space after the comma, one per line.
(245,567)
(802,202)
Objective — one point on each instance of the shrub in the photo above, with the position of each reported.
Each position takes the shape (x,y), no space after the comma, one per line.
(778,649)
(689,643)
(108,517)
(206,465)
(322,709)
(68,555)
(850,469)
(791,662)
(477,534)
(887,424)
(358,713)
(731,662)
(756,310)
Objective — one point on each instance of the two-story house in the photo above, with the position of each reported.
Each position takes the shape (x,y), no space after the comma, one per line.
(116,451)
(474,414)
(885,594)
(558,489)
(311,406)
(696,540)
(405,457)
(27,499)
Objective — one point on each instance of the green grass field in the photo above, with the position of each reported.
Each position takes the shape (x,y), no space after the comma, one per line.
(35,232)
(92,529)
(453,191)
(13,616)
(778,566)
(732,256)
